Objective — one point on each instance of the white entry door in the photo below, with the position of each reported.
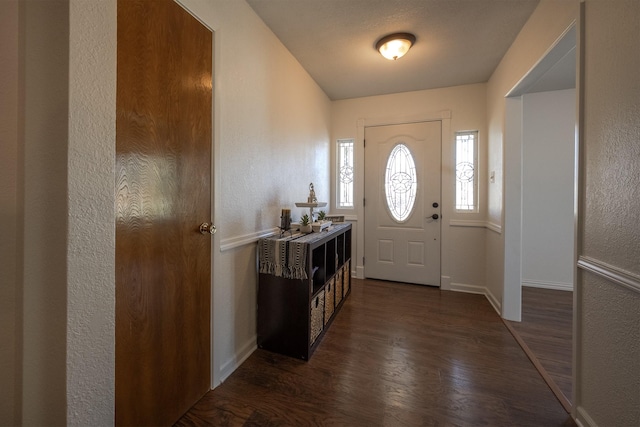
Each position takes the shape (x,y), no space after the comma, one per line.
(402,202)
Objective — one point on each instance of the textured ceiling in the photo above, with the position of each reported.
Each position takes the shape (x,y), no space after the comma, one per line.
(457,41)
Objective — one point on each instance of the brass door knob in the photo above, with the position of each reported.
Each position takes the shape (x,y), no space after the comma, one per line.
(206,228)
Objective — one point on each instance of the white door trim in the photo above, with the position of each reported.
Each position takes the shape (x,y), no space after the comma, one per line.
(445,117)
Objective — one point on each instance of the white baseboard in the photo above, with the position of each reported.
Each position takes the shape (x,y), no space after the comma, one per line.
(548,285)
(359,272)
(232,364)
(482,290)
(445,283)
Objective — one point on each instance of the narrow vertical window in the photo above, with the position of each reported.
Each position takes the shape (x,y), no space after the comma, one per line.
(345,173)
(466,176)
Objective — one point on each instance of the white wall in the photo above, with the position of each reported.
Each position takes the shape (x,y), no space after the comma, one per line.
(608,287)
(547,23)
(548,163)
(271,134)
(463,243)
(90,358)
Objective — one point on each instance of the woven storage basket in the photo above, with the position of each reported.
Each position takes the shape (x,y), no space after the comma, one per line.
(346,273)
(329,301)
(339,286)
(317,315)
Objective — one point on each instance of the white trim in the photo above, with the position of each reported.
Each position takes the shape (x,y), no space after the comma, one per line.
(548,285)
(467,223)
(611,273)
(475,223)
(442,116)
(245,239)
(482,290)
(445,283)
(497,228)
(248,239)
(234,363)
(583,419)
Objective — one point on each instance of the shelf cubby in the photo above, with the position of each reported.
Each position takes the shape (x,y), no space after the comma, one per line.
(294,314)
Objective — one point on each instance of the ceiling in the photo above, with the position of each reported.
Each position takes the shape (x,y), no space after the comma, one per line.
(457,41)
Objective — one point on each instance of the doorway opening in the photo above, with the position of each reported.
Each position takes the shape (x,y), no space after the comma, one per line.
(540,172)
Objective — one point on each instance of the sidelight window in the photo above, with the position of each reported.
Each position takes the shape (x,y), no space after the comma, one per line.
(345,173)
(466,167)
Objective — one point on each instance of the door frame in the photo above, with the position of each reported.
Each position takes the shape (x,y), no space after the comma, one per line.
(446,157)
(513,145)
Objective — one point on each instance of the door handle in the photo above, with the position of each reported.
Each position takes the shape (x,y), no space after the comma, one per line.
(206,228)
(435,216)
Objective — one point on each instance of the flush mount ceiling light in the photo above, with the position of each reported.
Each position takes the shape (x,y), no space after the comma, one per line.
(395,45)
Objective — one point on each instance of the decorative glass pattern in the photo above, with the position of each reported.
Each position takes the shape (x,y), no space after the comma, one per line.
(466,177)
(345,173)
(400,183)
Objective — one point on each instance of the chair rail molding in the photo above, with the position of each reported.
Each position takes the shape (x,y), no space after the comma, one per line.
(611,273)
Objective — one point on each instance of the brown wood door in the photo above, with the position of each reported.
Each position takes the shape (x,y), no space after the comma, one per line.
(163,194)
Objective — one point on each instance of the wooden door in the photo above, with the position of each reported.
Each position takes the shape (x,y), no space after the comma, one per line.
(402,202)
(163,194)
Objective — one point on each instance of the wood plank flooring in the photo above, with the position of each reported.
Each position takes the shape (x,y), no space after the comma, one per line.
(395,355)
(546,328)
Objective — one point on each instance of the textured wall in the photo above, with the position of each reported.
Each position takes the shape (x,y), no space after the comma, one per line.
(550,19)
(91,232)
(608,341)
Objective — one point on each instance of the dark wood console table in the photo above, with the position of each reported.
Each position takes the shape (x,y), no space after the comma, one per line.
(303,282)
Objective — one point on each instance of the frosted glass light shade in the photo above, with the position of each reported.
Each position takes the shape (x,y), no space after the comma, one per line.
(394,46)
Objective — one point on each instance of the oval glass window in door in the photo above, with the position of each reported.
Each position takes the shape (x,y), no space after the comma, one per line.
(400,183)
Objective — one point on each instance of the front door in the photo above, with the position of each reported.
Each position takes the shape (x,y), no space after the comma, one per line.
(163,194)
(402,202)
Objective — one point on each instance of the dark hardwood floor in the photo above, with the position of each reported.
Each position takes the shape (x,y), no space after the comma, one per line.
(546,329)
(395,355)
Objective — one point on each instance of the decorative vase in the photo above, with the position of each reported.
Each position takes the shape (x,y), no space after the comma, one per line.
(305,228)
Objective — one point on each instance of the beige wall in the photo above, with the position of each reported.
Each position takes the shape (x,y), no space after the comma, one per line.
(9,208)
(466,107)
(547,23)
(45,142)
(608,310)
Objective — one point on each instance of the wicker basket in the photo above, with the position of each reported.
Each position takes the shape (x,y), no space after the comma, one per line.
(339,286)
(346,277)
(317,316)
(329,301)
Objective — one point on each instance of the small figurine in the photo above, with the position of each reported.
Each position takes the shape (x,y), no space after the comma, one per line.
(312,194)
